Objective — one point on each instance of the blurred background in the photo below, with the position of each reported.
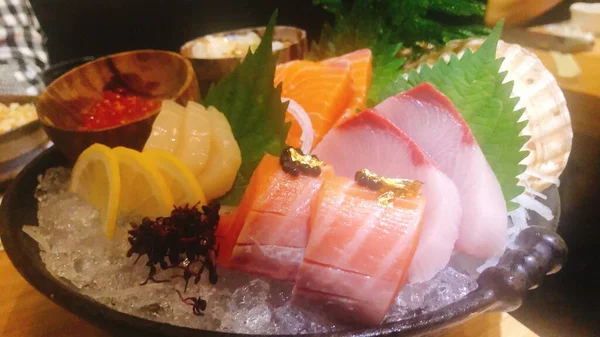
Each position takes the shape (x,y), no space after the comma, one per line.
(566,305)
(76,28)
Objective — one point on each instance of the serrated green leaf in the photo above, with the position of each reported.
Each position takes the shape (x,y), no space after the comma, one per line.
(475,85)
(385,69)
(410,22)
(253,107)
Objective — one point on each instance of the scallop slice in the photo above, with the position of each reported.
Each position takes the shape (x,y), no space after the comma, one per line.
(194,145)
(548,118)
(166,128)
(225,159)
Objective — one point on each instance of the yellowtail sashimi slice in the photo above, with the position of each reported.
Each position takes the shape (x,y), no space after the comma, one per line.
(143,189)
(194,145)
(219,173)
(181,182)
(430,119)
(166,127)
(376,144)
(96,179)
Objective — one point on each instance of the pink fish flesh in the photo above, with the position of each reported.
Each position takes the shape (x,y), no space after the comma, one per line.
(431,120)
(370,141)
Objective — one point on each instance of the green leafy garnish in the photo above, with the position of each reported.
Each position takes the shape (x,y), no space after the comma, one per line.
(387,26)
(385,69)
(411,22)
(360,25)
(253,107)
(475,85)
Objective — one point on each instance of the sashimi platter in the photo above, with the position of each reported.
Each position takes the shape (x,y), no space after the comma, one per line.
(396,179)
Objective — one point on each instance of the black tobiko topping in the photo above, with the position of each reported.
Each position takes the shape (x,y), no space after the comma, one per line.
(293,161)
(390,188)
(185,240)
(364,178)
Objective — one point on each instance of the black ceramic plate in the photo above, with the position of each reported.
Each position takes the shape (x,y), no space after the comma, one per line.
(540,251)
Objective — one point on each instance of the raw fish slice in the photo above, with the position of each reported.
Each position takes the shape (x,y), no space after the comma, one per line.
(358,252)
(224,242)
(546,111)
(270,230)
(194,146)
(370,141)
(219,172)
(362,71)
(166,128)
(323,90)
(430,119)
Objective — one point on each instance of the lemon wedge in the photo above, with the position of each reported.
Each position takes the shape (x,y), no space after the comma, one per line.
(179,178)
(143,189)
(96,179)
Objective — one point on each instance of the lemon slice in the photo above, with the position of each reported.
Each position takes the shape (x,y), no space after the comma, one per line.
(96,179)
(143,189)
(179,178)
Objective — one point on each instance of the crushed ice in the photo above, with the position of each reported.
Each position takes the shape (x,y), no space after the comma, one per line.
(74,249)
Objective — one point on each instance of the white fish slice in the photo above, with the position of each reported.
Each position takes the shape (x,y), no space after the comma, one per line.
(367,140)
(549,120)
(430,119)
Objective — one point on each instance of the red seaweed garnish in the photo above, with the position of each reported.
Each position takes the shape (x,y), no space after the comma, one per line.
(198,304)
(185,240)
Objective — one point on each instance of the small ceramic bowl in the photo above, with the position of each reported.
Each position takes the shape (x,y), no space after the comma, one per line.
(20,145)
(211,70)
(150,73)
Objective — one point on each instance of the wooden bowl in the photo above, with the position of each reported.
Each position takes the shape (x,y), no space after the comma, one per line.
(150,73)
(20,145)
(211,70)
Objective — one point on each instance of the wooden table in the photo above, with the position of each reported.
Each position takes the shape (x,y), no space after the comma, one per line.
(588,82)
(26,313)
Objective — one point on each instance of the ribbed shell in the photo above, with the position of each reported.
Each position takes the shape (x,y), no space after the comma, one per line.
(546,112)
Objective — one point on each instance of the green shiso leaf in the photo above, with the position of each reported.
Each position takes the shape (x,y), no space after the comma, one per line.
(385,70)
(253,107)
(386,26)
(357,26)
(475,85)
(409,22)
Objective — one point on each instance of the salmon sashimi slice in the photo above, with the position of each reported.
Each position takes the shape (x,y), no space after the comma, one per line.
(432,121)
(361,65)
(323,90)
(358,251)
(271,223)
(370,141)
(224,242)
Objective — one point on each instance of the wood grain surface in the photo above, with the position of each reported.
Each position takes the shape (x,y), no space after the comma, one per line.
(588,81)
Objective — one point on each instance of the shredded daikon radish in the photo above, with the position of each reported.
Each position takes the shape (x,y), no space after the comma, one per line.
(530,203)
(308,134)
(533,192)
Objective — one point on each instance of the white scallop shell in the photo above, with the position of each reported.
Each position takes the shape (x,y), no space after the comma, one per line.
(546,112)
